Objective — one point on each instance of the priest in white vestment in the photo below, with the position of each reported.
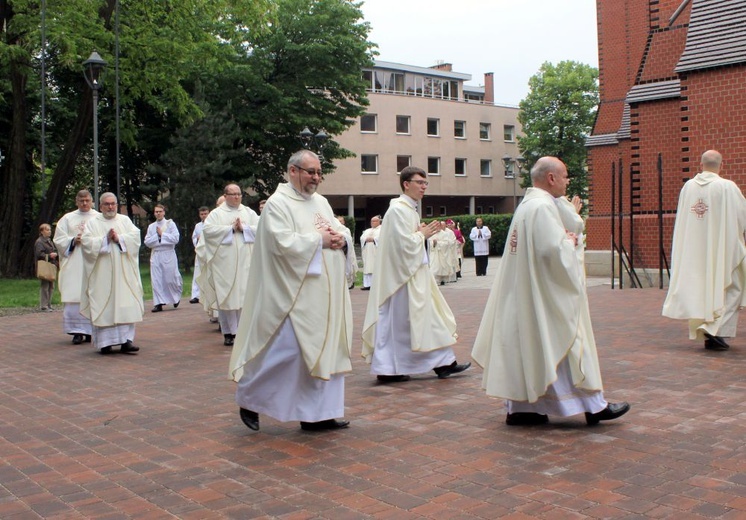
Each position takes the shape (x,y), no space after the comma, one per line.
(111,294)
(368,248)
(535,342)
(162,238)
(708,260)
(67,236)
(228,238)
(196,235)
(409,328)
(443,259)
(294,339)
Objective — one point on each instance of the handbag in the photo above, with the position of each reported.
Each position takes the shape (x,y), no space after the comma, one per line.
(46,270)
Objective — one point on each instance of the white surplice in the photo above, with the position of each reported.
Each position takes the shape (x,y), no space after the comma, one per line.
(164,265)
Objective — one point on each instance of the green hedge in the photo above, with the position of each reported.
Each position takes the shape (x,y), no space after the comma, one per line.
(498,224)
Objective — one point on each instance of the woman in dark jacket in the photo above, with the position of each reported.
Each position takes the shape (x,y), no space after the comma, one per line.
(44,250)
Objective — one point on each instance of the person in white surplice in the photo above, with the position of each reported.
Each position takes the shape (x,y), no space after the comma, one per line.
(294,338)
(228,240)
(708,261)
(162,238)
(67,241)
(535,342)
(111,295)
(196,235)
(368,248)
(409,328)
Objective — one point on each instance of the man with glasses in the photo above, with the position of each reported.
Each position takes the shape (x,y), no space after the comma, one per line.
(228,237)
(409,328)
(67,237)
(111,294)
(294,339)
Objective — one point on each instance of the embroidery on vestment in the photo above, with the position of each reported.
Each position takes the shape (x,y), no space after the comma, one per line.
(514,242)
(700,208)
(321,222)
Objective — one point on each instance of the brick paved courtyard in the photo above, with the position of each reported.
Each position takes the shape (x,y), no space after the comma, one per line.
(157,435)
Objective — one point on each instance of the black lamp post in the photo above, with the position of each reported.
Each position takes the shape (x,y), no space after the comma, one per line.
(511,174)
(93,69)
(307,138)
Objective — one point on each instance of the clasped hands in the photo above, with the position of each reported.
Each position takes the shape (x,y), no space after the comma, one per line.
(331,239)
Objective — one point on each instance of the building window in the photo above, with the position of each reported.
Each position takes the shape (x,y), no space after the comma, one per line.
(459,129)
(479,210)
(509,131)
(459,166)
(433,165)
(491,210)
(433,127)
(485,168)
(428,211)
(402,161)
(443,211)
(369,164)
(484,131)
(402,124)
(369,123)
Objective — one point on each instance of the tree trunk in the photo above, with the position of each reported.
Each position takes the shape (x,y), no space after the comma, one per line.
(12,178)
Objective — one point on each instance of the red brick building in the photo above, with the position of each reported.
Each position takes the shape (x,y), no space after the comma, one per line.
(672,83)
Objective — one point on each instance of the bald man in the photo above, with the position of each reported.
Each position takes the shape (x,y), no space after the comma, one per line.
(708,266)
(535,341)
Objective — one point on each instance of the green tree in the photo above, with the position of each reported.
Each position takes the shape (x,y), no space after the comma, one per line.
(557,115)
(163,42)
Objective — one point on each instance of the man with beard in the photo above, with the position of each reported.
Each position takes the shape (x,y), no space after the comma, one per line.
(294,339)
(112,290)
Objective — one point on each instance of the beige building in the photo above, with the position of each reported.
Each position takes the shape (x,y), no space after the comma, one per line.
(427,117)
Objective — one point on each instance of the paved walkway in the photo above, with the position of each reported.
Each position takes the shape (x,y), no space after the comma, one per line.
(157,435)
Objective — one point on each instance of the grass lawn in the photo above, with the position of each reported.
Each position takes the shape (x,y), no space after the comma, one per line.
(25,293)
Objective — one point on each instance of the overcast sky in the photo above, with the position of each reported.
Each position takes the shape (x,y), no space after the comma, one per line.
(511,38)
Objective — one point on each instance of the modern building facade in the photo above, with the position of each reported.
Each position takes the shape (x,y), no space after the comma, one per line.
(427,117)
(672,85)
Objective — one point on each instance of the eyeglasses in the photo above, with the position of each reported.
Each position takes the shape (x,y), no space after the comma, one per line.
(421,182)
(309,172)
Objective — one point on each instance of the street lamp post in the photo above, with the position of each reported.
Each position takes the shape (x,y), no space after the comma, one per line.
(93,69)
(307,138)
(510,173)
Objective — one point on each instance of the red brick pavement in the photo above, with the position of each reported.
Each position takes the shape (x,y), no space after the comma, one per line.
(157,435)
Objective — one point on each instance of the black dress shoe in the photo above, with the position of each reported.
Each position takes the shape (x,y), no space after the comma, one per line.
(525,419)
(329,424)
(194,300)
(176,305)
(715,343)
(612,411)
(249,418)
(365,288)
(128,348)
(449,370)
(77,339)
(87,338)
(228,340)
(393,379)
(157,308)
(105,350)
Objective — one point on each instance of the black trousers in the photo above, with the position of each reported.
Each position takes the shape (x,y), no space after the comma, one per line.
(481,263)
